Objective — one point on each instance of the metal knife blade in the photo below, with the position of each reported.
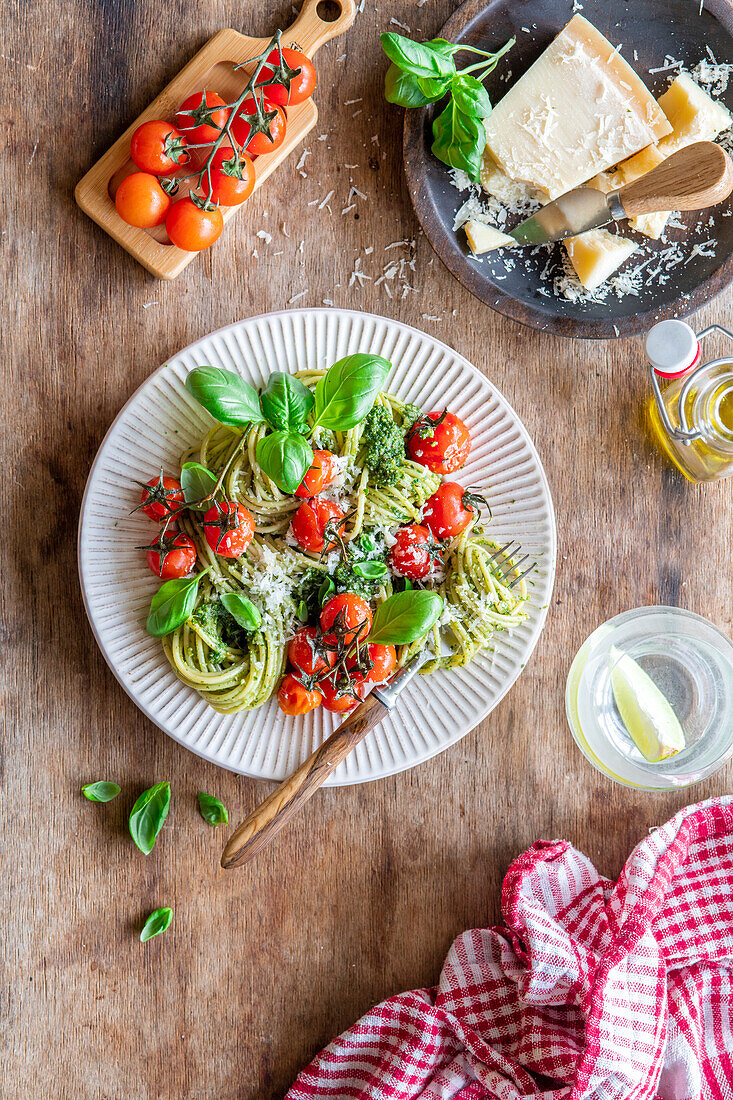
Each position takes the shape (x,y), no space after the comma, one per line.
(579,210)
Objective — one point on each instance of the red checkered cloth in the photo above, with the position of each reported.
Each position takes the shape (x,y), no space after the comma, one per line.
(592,991)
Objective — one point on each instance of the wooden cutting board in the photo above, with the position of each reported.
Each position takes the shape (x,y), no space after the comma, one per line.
(212,67)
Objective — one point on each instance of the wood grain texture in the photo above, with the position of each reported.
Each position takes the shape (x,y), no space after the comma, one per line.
(363,895)
(278,810)
(693,178)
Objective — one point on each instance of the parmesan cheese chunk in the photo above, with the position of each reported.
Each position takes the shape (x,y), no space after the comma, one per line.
(484,238)
(693,114)
(513,194)
(595,255)
(577,111)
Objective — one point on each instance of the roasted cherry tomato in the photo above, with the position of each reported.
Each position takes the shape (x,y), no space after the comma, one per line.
(232,177)
(260,143)
(311,520)
(172,556)
(321,473)
(301,85)
(378,662)
(191,227)
(345,617)
(440,441)
(161,498)
(294,698)
(305,655)
(344,693)
(201,121)
(414,552)
(229,528)
(141,201)
(158,147)
(451,509)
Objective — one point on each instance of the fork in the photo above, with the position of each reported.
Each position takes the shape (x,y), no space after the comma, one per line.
(272,815)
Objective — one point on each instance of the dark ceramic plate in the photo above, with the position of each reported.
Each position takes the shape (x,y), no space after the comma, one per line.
(655,29)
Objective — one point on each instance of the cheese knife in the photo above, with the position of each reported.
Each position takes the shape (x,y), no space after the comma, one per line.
(693,178)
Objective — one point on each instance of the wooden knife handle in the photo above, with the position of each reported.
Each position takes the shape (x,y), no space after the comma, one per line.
(264,823)
(695,177)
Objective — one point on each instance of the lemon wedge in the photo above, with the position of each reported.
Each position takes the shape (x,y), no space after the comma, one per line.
(651,723)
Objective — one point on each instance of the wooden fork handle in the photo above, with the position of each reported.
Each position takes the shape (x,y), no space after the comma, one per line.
(264,823)
(695,177)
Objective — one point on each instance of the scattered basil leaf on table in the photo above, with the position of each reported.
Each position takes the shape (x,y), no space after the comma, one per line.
(285,457)
(242,610)
(370,570)
(198,485)
(158,921)
(405,617)
(425,59)
(101,792)
(286,402)
(172,604)
(225,395)
(348,390)
(148,814)
(212,810)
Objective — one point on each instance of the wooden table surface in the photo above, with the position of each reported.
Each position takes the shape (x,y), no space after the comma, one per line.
(363,895)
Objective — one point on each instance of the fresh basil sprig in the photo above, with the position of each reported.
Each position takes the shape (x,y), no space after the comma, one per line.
(225,395)
(285,457)
(148,814)
(172,604)
(158,921)
(348,390)
(286,402)
(421,59)
(212,810)
(242,610)
(198,486)
(405,617)
(100,792)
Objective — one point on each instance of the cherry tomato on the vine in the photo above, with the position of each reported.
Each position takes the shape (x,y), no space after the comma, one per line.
(141,201)
(173,556)
(311,520)
(294,698)
(343,694)
(440,441)
(345,617)
(451,509)
(192,227)
(301,86)
(232,177)
(382,660)
(161,497)
(305,655)
(201,121)
(158,147)
(229,528)
(262,141)
(413,552)
(321,473)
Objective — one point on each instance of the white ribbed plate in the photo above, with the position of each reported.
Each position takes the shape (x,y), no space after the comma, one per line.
(161,419)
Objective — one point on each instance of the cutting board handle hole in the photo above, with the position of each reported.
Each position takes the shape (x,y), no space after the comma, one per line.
(328,11)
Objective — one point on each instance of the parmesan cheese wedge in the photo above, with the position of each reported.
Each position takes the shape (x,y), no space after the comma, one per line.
(513,194)
(484,238)
(577,111)
(693,114)
(595,255)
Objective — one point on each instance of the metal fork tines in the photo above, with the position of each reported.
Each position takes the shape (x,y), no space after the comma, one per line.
(501,558)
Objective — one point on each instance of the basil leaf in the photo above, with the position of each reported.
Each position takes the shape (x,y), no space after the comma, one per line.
(212,810)
(404,89)
(286,458)
(470,96)
(242,610)
(302,611)
(419,58)
(370,570)
(101,792)
(225,395)
(460,140)
(172,604)
(347,391)
(148,814)
(157,922)
(286,402)
(405,617)
(198,484)
(326,590)
(434,88)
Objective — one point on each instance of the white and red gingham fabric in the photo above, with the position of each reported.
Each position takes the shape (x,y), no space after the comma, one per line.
(591,990)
